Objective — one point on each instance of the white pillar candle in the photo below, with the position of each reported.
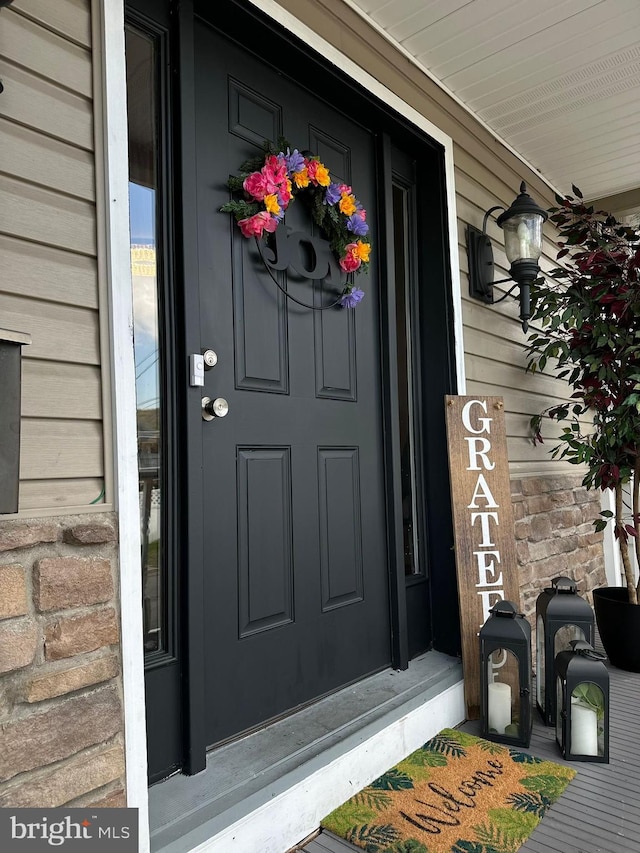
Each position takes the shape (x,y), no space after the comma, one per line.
(524,240)
(499,706)
(584,730)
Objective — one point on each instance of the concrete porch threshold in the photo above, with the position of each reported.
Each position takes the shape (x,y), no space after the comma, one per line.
(267,791)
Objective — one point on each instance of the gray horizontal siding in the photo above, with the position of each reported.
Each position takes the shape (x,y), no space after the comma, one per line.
(48,249)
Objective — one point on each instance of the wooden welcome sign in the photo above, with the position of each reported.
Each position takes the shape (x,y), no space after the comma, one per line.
(484,538)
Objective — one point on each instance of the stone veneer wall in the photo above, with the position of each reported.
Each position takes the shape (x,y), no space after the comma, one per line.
(61,722)
(555,536)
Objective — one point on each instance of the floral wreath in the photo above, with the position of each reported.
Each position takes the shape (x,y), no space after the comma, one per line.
(269,183)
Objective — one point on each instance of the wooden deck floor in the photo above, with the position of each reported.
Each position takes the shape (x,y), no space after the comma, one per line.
(600,810)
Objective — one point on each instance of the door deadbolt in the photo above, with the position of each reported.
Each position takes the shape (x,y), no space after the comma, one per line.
(210,359)
(211,409)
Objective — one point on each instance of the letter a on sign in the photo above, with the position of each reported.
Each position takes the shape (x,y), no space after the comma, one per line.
(484,537)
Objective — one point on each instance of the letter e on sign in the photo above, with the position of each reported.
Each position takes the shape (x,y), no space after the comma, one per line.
(484,539)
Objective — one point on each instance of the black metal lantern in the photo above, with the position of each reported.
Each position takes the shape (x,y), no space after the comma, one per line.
(582,695)
(561,616)
(505,676)
(522,225)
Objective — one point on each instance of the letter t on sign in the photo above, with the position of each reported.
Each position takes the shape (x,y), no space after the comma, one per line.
(485,545)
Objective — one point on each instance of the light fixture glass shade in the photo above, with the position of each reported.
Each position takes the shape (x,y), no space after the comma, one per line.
(523,237)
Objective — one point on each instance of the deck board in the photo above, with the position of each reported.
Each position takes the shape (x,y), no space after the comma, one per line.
(600,810)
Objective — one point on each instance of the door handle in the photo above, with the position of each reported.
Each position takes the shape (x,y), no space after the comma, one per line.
(211,409)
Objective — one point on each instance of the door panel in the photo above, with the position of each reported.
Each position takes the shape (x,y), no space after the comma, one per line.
(296,577)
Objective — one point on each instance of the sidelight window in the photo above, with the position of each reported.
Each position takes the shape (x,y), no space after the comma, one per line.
(146,271)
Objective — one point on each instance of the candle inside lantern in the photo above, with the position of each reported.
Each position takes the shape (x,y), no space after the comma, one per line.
(499,706)
(584,730)
(524,240)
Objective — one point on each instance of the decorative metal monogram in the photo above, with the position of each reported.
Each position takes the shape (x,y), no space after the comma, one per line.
(308,256)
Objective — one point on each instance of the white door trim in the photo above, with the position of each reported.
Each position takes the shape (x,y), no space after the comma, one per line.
(112,179)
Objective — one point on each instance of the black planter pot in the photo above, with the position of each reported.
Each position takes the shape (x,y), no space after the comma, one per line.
(619,626)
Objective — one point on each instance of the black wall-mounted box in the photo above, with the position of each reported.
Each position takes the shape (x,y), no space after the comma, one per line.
(11,344)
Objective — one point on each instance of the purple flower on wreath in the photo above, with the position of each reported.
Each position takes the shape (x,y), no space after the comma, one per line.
(294,160)
(351,298)
(332,194)
(357,225)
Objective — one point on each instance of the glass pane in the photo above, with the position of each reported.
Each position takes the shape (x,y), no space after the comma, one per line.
(564,636)
(142,93)
(403,335)
(587,720)
(559,710)
(503,701)
(540,668)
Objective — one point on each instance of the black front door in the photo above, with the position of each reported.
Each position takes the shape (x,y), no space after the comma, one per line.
(296,581)
(305,534)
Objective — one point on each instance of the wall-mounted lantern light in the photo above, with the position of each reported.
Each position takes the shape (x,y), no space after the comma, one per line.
(522,225)
(505,676)
(561,617)
(582,718)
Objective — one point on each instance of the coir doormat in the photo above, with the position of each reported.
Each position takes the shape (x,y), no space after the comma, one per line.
(457,794)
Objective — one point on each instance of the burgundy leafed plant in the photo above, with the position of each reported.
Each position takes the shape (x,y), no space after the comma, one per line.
(588,317)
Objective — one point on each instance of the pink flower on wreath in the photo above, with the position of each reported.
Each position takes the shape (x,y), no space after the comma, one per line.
(255,225)
(255,185)
(351,260)
(275,173)
(354,255)
(284,193)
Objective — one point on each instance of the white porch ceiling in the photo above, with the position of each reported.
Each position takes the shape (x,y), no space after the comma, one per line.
(557,80)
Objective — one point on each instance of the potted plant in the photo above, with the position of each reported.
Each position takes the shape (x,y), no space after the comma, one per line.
(588,317)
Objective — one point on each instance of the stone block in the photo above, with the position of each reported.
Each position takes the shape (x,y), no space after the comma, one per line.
(77,634)
(535,485)
(67,680)
(61,582)
(19,535)
(115,800)
(540,528)
(562,498)
(18,644)
(13,591)
(538,503)
(68,782)
(522,551)
(90,534)
(42,738)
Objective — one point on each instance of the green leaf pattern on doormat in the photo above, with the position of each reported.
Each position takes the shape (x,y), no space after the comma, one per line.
(462,846)
(372,798)
(392,780)
(549,786)
(408,846)
(506,829)
(491,747)
(524,757)
(425,758)
(446,744)
(373,837)
(536,804)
